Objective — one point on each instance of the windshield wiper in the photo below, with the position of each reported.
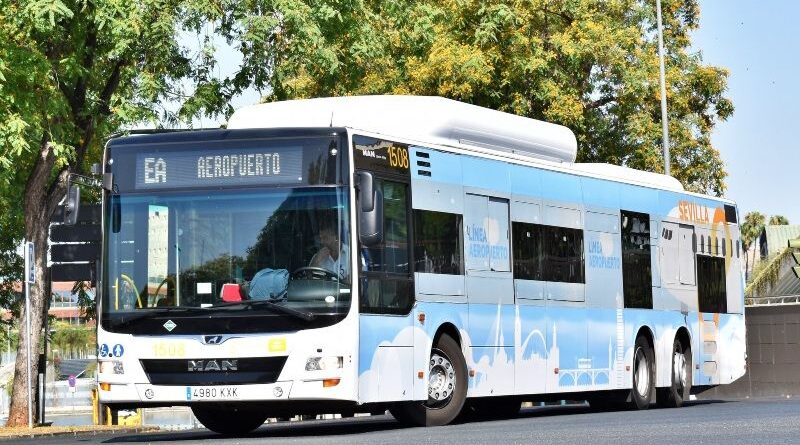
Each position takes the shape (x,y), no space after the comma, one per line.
(151,312)
(306,316)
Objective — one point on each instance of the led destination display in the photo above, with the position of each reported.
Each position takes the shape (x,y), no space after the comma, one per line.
(252,166)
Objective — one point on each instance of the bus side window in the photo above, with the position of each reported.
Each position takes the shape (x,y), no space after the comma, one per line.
(711,291)
(637,275)
(437,243)
(386,286)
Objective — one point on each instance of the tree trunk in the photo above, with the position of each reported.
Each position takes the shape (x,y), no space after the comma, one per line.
(18,411)
(39,206)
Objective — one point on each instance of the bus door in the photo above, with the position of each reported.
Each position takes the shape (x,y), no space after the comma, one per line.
(386,288)
(490,292)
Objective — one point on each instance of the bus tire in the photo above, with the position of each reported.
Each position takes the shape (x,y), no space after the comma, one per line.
(681,381)
(447,389)
(642,391)
(228,420)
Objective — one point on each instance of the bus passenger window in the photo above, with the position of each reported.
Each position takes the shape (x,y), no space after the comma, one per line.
(711,291)
(637,278)
(548,253)
(437,243)
(527,242)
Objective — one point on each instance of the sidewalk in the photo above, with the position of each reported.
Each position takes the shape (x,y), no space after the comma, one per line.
(44,431)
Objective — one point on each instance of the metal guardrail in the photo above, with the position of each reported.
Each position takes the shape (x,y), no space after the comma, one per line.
(773,301)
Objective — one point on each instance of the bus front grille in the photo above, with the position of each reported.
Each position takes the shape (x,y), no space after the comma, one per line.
(218,371)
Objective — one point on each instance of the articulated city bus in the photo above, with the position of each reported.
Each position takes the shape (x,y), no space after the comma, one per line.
(414,254)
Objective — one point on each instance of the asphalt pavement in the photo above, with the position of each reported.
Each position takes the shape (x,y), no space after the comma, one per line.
(702,422)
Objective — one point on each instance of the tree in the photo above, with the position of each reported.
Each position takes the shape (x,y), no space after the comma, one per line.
(750,230)
(588,64)
(71,73)
(778,220)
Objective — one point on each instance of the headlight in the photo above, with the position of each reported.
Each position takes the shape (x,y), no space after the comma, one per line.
(323,363)
(111,367)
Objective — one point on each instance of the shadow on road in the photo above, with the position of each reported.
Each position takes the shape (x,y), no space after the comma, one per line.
(360,425)
(335,427)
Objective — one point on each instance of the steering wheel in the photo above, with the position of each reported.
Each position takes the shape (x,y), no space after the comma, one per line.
(314,273)
(128,285)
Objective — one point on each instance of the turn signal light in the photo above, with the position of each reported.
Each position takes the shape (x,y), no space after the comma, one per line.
(327,383)
(105,386)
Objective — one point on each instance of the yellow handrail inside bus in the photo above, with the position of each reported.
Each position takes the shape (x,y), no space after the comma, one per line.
(130,283)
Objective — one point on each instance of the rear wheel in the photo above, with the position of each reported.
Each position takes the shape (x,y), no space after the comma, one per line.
(642,391)
(681,381)
(447,388)
(229,419)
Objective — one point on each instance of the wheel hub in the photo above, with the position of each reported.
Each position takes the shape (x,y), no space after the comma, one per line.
(642,374)
(441,378)
(679,368)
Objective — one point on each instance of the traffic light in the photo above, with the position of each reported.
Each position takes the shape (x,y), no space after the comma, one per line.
(795,244)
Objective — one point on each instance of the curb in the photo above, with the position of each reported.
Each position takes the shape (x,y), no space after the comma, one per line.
(91,430)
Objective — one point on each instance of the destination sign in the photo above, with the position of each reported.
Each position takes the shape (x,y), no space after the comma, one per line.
(222,167)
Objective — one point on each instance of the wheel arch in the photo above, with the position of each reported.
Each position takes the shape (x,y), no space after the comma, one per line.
(450,329)
(684,336)
(647,333)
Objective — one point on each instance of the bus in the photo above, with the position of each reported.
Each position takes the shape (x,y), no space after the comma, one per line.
(415,254)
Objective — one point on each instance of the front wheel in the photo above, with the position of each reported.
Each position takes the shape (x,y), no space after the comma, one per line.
(229,420)
(447,388)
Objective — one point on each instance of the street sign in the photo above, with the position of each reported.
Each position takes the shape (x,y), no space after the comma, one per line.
(75,249)
(30,264)
(81,232)
(795,244)
(89,213)
(71,382)
(74,252)
(73,272)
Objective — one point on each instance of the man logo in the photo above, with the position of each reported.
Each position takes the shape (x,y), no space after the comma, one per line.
(213,365)
(212,339)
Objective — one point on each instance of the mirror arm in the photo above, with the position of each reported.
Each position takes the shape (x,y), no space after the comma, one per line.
(84,180)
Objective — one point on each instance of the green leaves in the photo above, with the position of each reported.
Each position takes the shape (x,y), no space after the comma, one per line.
(589,64)
(44,13)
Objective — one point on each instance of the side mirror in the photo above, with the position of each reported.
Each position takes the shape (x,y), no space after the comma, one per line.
(370,215)
(72,205)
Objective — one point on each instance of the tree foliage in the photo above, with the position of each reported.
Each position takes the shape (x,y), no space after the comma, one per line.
(751,228)
(778,220)
(588,64)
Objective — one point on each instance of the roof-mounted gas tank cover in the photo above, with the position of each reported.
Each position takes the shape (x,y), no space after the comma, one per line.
(433,120)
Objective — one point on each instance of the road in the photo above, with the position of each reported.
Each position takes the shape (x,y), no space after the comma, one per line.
(703,422)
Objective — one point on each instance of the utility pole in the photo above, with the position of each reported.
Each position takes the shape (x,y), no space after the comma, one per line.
(664,122)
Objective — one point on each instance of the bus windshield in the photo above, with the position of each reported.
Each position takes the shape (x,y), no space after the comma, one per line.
(207,252)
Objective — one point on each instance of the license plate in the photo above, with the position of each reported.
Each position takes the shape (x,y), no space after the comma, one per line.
(212,393)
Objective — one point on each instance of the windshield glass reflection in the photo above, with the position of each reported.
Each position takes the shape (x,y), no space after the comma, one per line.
(212,249)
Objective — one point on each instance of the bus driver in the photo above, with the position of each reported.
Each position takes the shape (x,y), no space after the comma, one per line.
(332,256)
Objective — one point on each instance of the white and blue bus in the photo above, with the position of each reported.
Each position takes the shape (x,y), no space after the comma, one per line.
(415,254)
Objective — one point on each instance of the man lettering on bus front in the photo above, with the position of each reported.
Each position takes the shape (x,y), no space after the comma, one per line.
(333,255)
